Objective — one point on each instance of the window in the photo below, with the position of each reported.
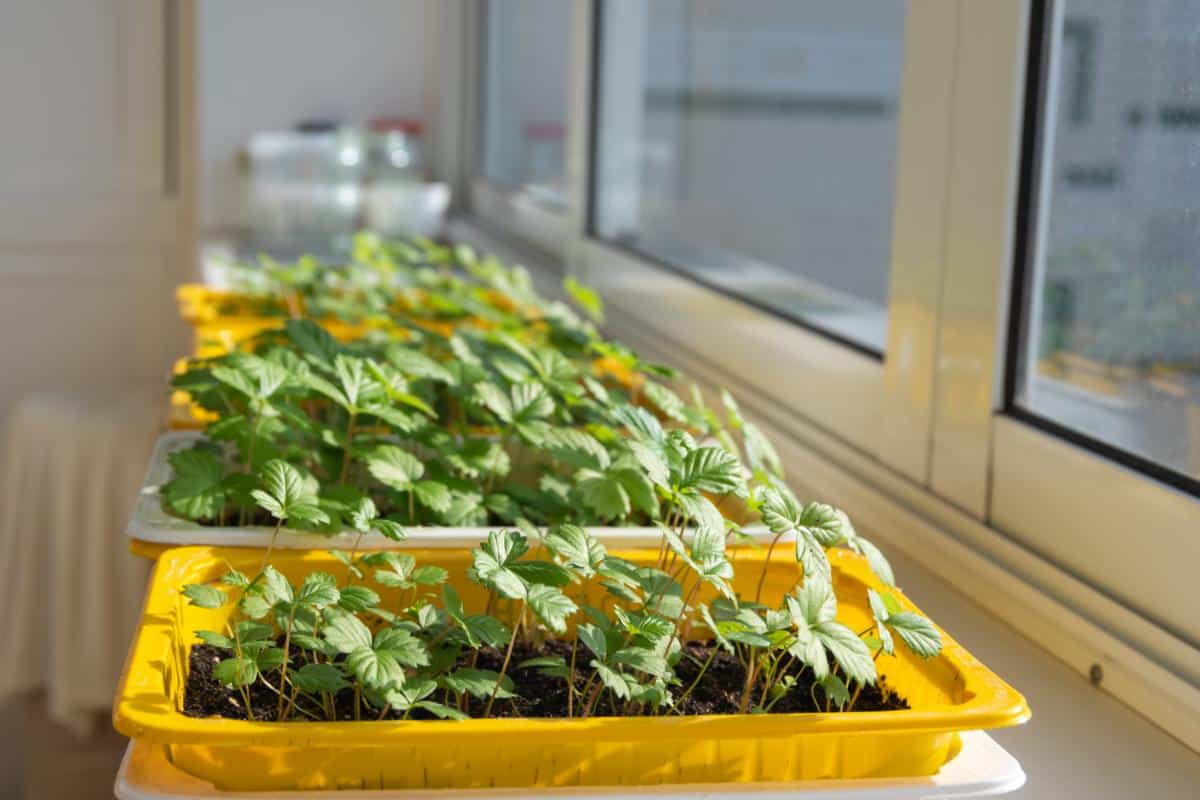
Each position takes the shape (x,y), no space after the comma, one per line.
(527,59)
(752,145)
(1110,309)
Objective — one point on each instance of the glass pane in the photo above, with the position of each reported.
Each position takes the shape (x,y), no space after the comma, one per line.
(752,145)
(525,96)
(1113,350)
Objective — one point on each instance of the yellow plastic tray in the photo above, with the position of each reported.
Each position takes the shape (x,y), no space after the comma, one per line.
(951,693)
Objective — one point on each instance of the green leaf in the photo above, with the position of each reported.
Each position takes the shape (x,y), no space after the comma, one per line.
(313,340)
(204,596)
(530,401)
(496,575)
(377,669)
(552,666)
(390,529)
(440,711)
(433,495)
(586,298)
(603,494)
(276,588)
(665,400)
(835,689)
(824,523)
(417,365)
(403,646)
(394,467)
(641,659)
(575,448)
(593,638)
(918,633)
(429,575)
(652,461)
(319,589)
(875,559)
(344,631)
(195,490)
(551,606)
(581,551)
(495,400)
(363,514)
(289,493)
(713,470)
(318,678)
(541,572)
(236,672)
(612,680)
(216,639)
(478,683)
(848,651)
(357,598)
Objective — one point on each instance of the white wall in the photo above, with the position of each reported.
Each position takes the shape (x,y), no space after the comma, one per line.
(264,65)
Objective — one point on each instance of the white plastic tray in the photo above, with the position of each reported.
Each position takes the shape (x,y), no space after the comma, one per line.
(981,769)
(150,523)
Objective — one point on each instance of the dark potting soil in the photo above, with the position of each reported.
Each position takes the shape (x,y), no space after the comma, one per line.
(538,695)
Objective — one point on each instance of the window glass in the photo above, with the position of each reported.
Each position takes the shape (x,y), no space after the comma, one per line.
(1112,310)
(752,145)
(527,47)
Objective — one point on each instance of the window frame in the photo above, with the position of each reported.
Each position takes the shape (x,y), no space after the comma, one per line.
(502,208)
(931,430)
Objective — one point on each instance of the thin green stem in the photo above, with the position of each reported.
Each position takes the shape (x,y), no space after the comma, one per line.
(349,447)
(507,657)
(766,567)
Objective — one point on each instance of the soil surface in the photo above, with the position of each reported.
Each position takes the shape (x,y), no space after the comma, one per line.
(538,695)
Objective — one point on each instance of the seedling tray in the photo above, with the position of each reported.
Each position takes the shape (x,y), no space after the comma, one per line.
(151,530)
(981,769)
(948,694)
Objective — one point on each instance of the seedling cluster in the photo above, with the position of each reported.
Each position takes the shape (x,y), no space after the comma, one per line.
(473,401)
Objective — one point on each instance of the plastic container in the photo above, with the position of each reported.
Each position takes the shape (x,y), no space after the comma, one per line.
(305,188)
(981,769)
(151,530)
(949,694)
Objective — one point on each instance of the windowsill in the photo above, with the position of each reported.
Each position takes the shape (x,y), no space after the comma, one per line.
(1083,741)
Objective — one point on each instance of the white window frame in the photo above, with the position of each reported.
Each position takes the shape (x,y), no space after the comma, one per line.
(460,87)
(917,446)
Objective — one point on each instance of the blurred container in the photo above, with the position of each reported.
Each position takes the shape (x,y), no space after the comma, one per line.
(398,200)
(305,186)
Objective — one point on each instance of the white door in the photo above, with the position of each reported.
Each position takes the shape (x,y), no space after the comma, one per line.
(95,190)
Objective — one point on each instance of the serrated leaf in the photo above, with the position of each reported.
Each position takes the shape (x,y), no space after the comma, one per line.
(319,589)
(195,490)
(641,659)
(394,467)
(713,470)
(665,400)
(917,633)
(236,672)
(377,669)
(848,651)
(593,638)
(318,678)
(541,572)
(551,606)
(440,711)
(553,666)
(478,683)
(357,599)
(603,494)
(204,596)
(581,551)
(216,639)
(612,680)
(344,631)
